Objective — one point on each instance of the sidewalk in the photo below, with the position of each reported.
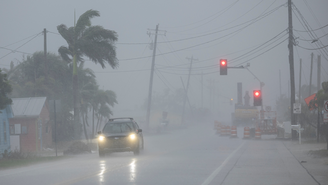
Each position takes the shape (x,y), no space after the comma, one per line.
(317,166)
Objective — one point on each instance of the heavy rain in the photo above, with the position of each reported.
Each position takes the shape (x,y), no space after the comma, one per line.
(164,92)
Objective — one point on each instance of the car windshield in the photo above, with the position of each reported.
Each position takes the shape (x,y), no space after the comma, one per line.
(113,128)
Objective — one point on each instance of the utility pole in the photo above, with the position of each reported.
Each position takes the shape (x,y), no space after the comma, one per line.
(318,88)
(186,91)
(202,89)
(45,51)
(300,84)
(151,77)
(291,64)
(319,73)
(311,75)
(280,83)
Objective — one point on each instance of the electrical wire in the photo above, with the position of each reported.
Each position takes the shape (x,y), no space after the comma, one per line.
(210,41)
(312,34)
(263,52)
(209,17)
(20,46)
(22,40)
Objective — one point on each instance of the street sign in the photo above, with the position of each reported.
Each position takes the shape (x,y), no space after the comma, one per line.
(297,108)
(325,105)
(325,117)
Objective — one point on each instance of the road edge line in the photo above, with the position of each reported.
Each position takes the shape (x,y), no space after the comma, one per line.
(217,171)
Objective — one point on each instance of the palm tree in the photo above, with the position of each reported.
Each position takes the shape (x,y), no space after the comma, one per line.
(101,102)
(95,42)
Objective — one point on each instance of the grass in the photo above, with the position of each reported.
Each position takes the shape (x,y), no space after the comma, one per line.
(13,163)
(319,153)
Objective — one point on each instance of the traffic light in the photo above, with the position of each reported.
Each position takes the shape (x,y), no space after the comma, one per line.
(257,96)
(223,67)
(231,101)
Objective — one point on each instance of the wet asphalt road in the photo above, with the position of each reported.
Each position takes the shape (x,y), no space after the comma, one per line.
(195,155)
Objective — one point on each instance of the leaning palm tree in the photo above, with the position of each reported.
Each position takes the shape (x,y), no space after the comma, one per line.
(94,42)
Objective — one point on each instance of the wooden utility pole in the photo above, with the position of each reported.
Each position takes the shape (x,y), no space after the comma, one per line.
(291,63)
(311,75)
(45,51)
(318,88)
(300,84)
(186,91)
(151,78)
(202,90)
(319,73)
(280,83)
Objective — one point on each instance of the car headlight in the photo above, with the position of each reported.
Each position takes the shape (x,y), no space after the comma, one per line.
(101,138)
(132,136)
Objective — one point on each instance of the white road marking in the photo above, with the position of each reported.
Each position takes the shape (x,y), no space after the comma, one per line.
(217,171)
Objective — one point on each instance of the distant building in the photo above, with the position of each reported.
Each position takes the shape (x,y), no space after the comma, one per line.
(30,128)
(4,129)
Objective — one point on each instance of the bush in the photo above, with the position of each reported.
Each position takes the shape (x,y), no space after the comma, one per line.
(16,155)
(77,147)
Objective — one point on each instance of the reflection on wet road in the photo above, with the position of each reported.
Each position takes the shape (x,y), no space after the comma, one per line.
(195,155)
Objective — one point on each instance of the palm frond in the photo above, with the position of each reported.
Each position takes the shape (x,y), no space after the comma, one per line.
(84,21)
(66,33)
(65,53)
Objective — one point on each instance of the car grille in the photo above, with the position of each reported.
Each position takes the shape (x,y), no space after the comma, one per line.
(117,142)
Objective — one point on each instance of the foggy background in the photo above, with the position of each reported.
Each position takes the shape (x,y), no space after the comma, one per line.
(253,31)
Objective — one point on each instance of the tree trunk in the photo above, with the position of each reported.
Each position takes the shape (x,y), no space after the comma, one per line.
(85,129)
(75,100)
(93,121)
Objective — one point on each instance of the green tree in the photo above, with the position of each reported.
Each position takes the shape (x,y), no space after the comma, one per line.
(28,80)
(95,42)
(5,89)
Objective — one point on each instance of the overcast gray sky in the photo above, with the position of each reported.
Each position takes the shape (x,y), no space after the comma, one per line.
(206,30)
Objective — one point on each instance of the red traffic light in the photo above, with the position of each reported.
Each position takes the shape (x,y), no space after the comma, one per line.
(223,66)
(223,62)
(257,93)
(257,97)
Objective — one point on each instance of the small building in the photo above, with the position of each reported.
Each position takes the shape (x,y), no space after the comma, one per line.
(30,127)
(5,114)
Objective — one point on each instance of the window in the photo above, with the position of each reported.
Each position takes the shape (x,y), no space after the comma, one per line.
(18,129)
(24,129)
(4,131)
(12,129)
(118,128)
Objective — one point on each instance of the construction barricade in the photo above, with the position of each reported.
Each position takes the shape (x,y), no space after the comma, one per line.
(228,130)
(257,133)
(246,133)
(219,129)
(233,132)
(223,130)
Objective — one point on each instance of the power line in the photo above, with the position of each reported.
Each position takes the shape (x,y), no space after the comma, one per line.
(252,21)
(20,46)
(210,41)
(214,15)
(311,29)
(22,40)
(312,34)
(262,53)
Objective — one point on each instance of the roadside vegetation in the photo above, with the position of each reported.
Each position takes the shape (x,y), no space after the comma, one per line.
(17,159)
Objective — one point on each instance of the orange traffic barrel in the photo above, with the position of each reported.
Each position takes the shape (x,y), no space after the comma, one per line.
(224,130)
(233,132)
(257,133)
(219,129)
(246,133)
(228,130)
